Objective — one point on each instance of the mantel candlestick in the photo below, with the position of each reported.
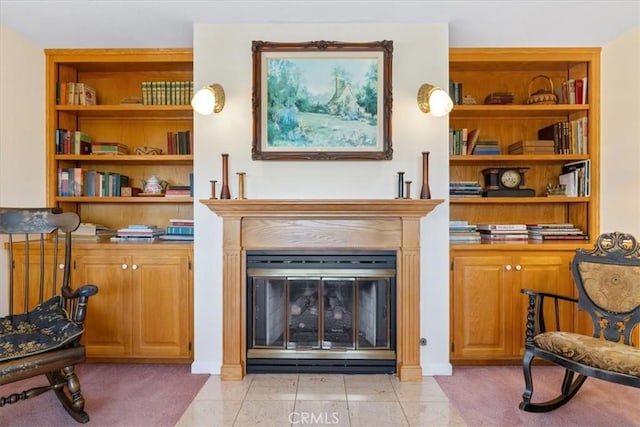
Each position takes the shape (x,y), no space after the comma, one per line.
(407,187)
(400,185)
(241,176)
(425,193)
(213,189)
(225,193)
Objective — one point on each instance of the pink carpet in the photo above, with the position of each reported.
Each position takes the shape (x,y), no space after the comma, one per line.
(489,396)
(127,395)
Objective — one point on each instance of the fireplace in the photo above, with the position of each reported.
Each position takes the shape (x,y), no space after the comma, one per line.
(320,225)
(321,311)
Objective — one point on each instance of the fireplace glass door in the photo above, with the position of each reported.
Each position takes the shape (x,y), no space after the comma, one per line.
(321,313)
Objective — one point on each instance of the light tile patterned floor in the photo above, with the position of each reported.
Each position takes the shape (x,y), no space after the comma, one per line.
(294,400)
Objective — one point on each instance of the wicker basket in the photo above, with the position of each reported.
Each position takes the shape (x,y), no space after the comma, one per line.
(542,96)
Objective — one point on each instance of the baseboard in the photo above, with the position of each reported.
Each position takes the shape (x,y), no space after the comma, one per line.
(437,369)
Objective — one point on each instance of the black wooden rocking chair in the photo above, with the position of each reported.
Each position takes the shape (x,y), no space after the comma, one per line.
(608,282)
(41,335)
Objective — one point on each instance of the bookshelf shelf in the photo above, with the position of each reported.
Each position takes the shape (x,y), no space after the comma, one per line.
(177,159)
(523,158)
(133,199)
(516,200)
(521,111)
(135,110)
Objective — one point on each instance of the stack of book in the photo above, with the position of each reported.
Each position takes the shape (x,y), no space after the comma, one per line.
(536,146)
(465,189)
(138,233)
(178,191)
(109,148)
(179,229)
(87,231)
(463,232)
(487,147)
(503,233)
(545,232)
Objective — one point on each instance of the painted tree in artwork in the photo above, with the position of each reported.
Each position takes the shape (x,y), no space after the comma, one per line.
(368,95)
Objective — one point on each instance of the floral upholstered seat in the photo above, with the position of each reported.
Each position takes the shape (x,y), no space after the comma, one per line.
(42,329)
(608,282)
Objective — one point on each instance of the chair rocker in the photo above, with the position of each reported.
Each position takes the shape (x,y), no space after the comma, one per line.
(608,282)
(41,334)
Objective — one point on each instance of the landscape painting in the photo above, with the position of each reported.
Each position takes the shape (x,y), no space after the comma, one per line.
(322,101)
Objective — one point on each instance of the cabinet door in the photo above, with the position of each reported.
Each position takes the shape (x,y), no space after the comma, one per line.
(19,271)
(161,301)
(481,306)
(543,272)
(108,324)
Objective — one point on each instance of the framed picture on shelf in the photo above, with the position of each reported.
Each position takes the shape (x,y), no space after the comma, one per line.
(322,100)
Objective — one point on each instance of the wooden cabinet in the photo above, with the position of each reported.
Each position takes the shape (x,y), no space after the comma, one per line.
(144,308)
(489,311)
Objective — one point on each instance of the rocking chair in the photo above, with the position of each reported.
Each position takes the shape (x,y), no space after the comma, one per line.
(41,335)
(608,282)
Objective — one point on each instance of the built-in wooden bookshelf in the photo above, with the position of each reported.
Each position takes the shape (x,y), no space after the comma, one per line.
(145,309)
(117,75)
(486,278)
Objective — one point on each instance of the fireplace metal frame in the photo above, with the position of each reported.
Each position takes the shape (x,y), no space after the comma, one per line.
(320,265)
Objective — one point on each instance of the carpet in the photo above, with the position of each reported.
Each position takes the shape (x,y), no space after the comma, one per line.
(489,396)
(127,395)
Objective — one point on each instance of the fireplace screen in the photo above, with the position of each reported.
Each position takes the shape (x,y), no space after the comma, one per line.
(320,306)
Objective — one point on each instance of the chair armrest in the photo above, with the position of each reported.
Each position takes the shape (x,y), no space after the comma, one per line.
(76,301)
(535,311)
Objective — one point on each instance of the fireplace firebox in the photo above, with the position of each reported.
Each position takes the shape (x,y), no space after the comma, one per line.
(321,311)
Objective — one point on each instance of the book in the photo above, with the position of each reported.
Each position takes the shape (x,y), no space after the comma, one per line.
(179,229)
(502,226)
(177,237)
(472,140)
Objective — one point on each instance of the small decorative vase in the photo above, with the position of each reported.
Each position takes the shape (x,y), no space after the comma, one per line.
(225,193)
(425,193)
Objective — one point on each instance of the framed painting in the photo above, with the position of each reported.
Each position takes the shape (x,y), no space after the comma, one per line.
(322,100)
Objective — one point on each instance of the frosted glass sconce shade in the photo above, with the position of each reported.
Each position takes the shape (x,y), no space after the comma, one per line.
(432,99)
(208,100)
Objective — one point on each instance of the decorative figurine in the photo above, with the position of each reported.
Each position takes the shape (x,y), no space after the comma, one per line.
(225,193)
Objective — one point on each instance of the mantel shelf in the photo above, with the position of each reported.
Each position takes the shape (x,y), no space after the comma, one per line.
(322,207)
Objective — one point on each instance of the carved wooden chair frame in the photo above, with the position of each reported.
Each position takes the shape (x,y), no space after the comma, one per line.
(41,335)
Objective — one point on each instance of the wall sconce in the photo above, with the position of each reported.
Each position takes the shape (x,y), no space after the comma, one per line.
(209,99)
(432,99)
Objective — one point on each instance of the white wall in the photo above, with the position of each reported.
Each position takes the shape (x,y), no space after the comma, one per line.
(620,136)
(22,123)
(222,54)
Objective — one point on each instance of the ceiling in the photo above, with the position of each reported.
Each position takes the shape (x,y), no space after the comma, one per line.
(160,23)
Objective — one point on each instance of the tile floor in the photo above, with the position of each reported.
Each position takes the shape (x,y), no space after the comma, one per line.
(320,400)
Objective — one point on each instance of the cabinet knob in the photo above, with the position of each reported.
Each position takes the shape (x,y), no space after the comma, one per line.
(61,266)
(125,266)
(518,267)
(134,267)
(507,267)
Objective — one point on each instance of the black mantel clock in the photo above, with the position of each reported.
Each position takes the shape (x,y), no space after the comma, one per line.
(505,182)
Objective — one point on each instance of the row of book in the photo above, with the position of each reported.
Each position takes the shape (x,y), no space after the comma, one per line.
(462,231)
(75,93)
(78,182)
(180,142)
(179,230)
(166,92)
(570,137)
(576,178)
(72,142)
(573,91)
